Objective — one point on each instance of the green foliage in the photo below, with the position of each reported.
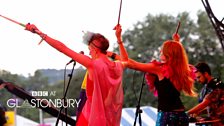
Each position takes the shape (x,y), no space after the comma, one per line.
(143,44)
(205,46)
(39,82)
(14,78)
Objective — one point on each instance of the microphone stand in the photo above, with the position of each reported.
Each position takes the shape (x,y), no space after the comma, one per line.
(138,110)
(64,97)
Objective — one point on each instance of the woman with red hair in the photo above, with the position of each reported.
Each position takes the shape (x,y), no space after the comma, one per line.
(167,78)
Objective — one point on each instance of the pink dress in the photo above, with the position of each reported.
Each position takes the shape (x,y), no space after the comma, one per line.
(104,96)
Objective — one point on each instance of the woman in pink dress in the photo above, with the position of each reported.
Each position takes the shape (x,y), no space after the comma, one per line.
(104,82)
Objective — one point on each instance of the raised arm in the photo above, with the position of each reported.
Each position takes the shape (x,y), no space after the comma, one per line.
(196,109)
(123,52)
(80,58)
(130,63)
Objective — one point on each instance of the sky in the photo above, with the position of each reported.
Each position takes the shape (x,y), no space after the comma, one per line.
(65,20)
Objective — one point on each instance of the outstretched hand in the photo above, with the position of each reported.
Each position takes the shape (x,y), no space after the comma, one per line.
(32,28)
(118,32)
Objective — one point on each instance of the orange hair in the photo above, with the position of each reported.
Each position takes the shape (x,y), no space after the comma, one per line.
(178,67)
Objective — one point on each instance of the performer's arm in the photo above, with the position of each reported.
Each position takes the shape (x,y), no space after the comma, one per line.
(123,52)
(144,67)
(80,58)
(197,109)
(130,63)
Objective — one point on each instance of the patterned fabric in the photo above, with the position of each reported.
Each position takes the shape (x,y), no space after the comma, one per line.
(172,119)
(202,93)
(208,88)
(216,98)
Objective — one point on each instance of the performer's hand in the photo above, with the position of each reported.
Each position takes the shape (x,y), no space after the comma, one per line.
(176,37)
(118,32)
(32,28)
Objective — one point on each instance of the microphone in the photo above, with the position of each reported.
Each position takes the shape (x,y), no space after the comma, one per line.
(70,61)
(81,52)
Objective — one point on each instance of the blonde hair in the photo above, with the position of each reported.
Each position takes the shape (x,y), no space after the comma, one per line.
(178,67)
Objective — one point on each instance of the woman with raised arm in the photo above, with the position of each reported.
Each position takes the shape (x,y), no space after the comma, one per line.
(167,78)
(104,80)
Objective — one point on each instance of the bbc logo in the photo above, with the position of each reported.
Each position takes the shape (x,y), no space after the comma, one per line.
(39,93)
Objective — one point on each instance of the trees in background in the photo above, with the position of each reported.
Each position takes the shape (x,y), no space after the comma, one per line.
(143,43)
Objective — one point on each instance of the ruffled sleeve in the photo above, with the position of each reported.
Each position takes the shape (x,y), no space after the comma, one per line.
(151,78)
